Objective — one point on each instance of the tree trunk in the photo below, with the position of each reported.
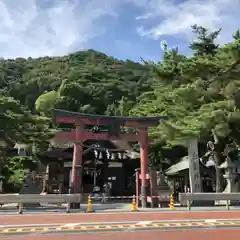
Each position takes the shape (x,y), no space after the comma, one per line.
(217,160)
(218,172)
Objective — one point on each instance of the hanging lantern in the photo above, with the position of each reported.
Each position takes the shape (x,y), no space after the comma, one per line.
(108,154)
(99,162)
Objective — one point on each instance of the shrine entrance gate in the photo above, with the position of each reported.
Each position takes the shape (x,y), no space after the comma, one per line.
(115,125)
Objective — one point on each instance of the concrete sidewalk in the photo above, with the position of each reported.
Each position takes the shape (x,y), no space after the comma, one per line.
(9,209)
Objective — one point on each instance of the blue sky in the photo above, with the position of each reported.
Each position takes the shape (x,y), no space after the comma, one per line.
(121,28)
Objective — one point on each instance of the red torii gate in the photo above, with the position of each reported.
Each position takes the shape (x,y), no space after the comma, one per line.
(80,134)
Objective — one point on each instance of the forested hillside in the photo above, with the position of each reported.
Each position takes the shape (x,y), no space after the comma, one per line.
(89,77)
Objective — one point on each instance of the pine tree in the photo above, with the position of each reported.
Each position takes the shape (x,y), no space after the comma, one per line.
(205,43)
(236,35)
(203,102)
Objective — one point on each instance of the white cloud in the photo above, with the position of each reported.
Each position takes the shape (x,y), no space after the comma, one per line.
(56,27)
(174,18)
(49,27)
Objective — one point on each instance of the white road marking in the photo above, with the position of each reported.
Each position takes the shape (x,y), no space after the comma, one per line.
(144,223)
(178,224)
(167,225)
(230,223)
(71,224)
(211,220)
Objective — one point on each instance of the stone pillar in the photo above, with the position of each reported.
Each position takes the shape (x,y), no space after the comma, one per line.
(45,180)
(144,165)
(76,173)
(137,186)
(1,186)
(194,169)
(153,186)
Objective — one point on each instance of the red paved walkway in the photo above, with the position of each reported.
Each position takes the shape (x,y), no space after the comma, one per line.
(117,217)
(220,234)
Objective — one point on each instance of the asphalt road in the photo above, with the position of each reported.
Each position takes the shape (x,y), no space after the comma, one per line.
(59,218)
(118,226)
(137,225)
(219,234)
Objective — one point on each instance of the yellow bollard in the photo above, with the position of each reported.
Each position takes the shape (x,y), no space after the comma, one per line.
(171,203)
(89,206)
(134,204)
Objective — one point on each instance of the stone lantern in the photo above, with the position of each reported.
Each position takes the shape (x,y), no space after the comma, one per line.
(231,172)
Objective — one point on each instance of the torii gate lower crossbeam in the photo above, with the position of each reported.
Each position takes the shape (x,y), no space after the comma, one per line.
(79,135)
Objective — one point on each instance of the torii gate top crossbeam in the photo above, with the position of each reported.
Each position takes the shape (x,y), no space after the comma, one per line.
(62,116)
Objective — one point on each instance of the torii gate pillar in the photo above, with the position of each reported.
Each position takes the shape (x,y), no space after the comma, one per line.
(76,176)
(144,165)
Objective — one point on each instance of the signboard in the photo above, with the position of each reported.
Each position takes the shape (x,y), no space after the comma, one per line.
(68,164)
(115,164)
(194,169)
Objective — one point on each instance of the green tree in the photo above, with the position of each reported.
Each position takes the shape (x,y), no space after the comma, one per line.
(18,125)
(236,35)
(205,43)
(201,100)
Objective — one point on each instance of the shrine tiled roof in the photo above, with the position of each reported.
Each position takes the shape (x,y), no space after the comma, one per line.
(180,166)
(120,119)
